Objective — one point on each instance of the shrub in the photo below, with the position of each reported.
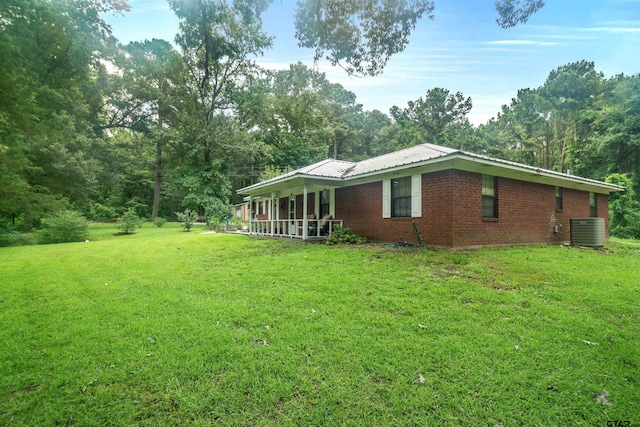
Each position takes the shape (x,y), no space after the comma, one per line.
(128,222)
(236,224)
(63,227)
(216,213)
(187,218)
(624,209)
(159,221)
(11,237)
(102,213)
(344,235)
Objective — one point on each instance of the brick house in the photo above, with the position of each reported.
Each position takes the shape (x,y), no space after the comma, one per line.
(455,199)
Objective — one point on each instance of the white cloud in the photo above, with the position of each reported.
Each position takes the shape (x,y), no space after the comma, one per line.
(519,43)
(613,29)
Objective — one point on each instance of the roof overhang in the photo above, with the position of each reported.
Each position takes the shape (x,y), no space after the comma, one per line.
(489,166)
(458,160)
(289,182)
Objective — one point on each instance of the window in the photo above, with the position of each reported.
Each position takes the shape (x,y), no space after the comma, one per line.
(489,197)
(593,205)
(261,208)
(324,203)
(401,197)
(558,198)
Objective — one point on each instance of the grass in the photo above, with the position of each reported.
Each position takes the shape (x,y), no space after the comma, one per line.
(170,328)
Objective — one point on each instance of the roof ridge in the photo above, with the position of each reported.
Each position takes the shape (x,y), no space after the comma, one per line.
(324,162)
(438,148)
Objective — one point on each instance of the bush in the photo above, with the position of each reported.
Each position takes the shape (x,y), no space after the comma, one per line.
(629,227)
(11,237)
(64,227)
(102,213)
(128,222)
(344,235)
(216,211)
(624,209)
(187,218)
(159,221)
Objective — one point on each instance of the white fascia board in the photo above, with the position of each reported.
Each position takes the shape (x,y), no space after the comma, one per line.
(458,160)
(486,165)
(504,168)
(293,181)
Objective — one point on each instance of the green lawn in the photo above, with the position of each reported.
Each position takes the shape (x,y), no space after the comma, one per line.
(171,328)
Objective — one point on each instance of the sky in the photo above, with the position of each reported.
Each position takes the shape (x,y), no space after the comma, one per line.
(462,49)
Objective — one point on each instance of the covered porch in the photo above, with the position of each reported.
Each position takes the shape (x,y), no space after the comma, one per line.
(315,229)
(300,208)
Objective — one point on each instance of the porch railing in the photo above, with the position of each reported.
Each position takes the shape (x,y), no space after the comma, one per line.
(294,228)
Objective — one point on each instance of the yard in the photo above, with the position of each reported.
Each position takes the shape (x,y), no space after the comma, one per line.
(171,328)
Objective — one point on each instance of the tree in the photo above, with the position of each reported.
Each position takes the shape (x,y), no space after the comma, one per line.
(624,208)
(219,42)
(438,118)
(372,143)
(49,102)
(616,128)
(359,36)
(144,97)
(553,126)
(514,12)
(307,118)
(569,90)
(520,132)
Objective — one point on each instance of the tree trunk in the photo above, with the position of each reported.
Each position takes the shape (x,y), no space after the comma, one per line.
(335,147)
(207,158)
(156,190)
(27,224)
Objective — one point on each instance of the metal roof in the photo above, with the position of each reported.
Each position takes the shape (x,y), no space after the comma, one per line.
(343,171)
(416,154)
(335,169)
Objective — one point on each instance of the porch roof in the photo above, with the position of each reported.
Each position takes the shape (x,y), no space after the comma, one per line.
(340,172)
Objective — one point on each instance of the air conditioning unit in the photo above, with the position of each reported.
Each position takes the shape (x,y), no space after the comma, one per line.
(588,232)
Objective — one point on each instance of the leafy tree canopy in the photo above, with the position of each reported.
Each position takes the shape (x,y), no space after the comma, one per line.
(514,12)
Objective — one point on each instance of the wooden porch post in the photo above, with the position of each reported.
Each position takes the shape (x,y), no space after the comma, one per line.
(250,214)
(304,212)
(272,212)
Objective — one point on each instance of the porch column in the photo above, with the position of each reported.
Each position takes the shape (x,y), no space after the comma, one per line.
(304,212)
(250,214)
(332,202)
(272,212)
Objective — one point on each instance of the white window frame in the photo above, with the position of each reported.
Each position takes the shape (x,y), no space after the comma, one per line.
(416,197)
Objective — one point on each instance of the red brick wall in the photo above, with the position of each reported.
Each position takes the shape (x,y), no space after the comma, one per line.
(525,212)
(603,210)
(452,212)
(361,209)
